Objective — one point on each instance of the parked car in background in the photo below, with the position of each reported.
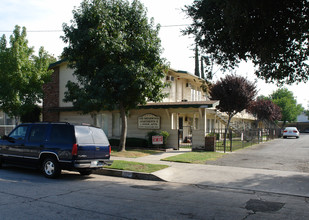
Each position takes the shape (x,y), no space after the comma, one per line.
(56,146)
(290,132)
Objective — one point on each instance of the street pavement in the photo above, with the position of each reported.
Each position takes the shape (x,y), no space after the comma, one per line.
(232,177)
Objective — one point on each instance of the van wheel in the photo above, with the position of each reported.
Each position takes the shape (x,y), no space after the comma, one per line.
(51,168)
(85,172)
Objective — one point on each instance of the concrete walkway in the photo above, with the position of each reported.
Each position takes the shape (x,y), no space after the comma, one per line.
(274,181)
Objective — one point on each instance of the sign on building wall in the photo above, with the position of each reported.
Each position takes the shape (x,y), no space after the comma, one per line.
(157,140)
(149,121)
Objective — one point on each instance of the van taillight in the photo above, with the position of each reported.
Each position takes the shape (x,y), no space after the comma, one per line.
(74,150)
(110,149)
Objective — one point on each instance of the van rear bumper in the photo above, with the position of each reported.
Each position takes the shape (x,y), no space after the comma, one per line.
(96,163)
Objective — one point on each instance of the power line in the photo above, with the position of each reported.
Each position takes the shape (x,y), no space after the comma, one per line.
(46,31)
(175,25)
(28,31)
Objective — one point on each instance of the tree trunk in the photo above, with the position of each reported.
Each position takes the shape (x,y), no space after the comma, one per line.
(225,134)
(123,137)
(283,124)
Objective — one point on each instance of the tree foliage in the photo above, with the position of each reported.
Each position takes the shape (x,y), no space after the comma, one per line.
(273,34)
(115,52)
(22,74)
(265,109)
(287,103)
(235,94)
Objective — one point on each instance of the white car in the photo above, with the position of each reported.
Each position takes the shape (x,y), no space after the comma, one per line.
(290,132)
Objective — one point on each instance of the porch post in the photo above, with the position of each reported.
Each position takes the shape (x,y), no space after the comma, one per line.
(198,136)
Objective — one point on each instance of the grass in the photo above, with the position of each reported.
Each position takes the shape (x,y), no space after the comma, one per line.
(136,167)
(134,153)
(194,157)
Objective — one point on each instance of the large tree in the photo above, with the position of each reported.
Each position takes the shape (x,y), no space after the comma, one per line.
(273,34)
(115,52)
(265,109)
(288,105)
(235,94)
(22,74)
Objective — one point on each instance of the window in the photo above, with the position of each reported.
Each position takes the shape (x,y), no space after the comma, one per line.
(99,137)
(116,124)
(83,135)
(19,133)
(199,96)
(62,134)
(90,135)
(1,118)
(37,133)
(192,94)
(208,128)
(102,122)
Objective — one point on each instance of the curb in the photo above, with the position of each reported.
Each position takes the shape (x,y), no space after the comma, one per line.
(128,174)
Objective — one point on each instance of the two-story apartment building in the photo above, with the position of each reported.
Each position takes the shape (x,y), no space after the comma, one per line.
(187,113)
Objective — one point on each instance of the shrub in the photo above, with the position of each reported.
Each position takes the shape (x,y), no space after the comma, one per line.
(149,137)
(212,134)
(165,135)
(130,143)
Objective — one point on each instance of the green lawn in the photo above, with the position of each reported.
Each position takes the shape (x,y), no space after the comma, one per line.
(194,157)
(136,167)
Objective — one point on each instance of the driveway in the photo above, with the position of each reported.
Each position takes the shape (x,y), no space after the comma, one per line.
(281,154)
(278,166)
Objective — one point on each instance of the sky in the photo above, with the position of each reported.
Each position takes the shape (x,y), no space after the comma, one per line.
(44,18)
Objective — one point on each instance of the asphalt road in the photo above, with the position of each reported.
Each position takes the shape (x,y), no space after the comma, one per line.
(284,154)
(25,194)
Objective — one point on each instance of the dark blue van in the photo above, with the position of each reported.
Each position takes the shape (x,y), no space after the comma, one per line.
(56,146)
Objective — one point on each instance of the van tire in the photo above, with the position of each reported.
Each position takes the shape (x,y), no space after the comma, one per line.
(51,168)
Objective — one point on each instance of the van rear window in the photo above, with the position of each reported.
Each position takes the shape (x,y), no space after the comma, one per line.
(62,134)
(99,136)
(90,135)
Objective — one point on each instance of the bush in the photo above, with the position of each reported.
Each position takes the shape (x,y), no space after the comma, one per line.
(130,143)
(149,137)
(212,134)
(165,135)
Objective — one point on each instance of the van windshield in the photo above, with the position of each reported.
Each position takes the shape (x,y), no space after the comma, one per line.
(90,135)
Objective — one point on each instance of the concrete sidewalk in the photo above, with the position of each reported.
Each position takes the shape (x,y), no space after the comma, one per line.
(274,181)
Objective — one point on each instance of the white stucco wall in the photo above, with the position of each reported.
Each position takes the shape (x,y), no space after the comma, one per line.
(65,75)
(302,118)
(76,117)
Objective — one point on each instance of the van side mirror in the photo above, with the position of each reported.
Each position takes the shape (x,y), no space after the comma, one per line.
(7,138)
